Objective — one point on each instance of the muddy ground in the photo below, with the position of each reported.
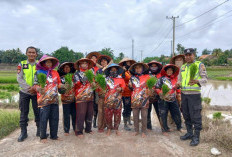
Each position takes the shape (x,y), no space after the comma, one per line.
(100,145)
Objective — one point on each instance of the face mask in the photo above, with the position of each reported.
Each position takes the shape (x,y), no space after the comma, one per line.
(154,68)
(113,74)
(127,67)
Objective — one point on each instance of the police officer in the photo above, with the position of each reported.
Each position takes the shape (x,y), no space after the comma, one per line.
(25,77)
(191,96)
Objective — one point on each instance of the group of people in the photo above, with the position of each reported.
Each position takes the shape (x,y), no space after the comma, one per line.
(85,101)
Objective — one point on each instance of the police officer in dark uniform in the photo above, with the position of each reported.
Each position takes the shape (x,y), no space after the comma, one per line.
(25,77)
(191,96)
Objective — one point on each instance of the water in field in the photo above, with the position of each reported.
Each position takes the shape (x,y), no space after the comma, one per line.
(220,92)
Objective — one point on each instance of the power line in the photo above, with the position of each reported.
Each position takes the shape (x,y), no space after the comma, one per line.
(202,14)
(206,24)
(162,41)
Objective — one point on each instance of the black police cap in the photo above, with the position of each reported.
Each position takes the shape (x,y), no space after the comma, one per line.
(189,50)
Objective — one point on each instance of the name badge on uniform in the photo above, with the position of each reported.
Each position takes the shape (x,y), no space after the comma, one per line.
(25,66)
(183,68)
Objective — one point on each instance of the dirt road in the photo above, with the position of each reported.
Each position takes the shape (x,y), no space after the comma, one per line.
(100,145)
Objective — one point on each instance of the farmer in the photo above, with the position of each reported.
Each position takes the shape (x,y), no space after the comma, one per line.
(140,95)
(47,96)
(126,63)
(154,71)
(94,57)
(113,98)
(167,101)
(25,77)
(103,61)
(68,98)
(84,97)
(178,60)
(191,95)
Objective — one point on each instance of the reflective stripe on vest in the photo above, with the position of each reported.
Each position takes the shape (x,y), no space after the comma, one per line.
(28,72)
(185,74)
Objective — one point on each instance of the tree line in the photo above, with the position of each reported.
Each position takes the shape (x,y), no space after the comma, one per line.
(63,54)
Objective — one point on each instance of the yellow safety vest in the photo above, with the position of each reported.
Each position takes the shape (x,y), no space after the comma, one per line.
(185,74)
(28,72)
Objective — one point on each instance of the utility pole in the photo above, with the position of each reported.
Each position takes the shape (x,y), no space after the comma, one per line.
(173,36)
(171,49)
(132,48)
(141,55)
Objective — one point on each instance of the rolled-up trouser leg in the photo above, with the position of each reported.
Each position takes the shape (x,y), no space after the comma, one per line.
(66,117)
(54,120)
(163,108)
(117,118)
(144,119)
(44,116)
(175,113)
(136,112)
(89,117)
(24,101)
(108,118)
(101,114)
(81,109)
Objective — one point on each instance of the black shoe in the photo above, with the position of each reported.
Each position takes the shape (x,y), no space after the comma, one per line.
(23,135)
(38,132)
(196,139)
(187,136)
(95,122)
(189,133)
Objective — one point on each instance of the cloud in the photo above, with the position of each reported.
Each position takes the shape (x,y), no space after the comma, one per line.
(94,24)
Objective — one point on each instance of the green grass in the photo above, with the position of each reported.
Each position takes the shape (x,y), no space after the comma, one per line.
(9,120)
(8,77)
(5,95)
(10,87)
(220,73)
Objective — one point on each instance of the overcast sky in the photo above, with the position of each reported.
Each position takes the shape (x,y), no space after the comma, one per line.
(88,25)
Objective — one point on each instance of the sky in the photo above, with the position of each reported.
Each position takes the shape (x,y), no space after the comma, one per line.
(91,25)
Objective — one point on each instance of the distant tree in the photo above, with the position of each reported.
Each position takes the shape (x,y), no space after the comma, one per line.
(206,52)
(180,49)
(63,54)
(217,52)
(108,52)
(119,58)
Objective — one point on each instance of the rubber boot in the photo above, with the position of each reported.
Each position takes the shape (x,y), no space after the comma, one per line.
(196,138)
(126,127)
(23,134)
(189,133)
(95,122)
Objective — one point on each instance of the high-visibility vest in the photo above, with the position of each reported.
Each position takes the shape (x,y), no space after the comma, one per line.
(185,74)
(28,72)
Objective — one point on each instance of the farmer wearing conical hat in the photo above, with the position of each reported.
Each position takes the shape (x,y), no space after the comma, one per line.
(126,63)
(154,71)
(140,95)
(167,101)
(83,96)
(103,61)
(191,95)
(94,56)
(65,70)
(25,77)
(47,96)
(178,60)
(113,98)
